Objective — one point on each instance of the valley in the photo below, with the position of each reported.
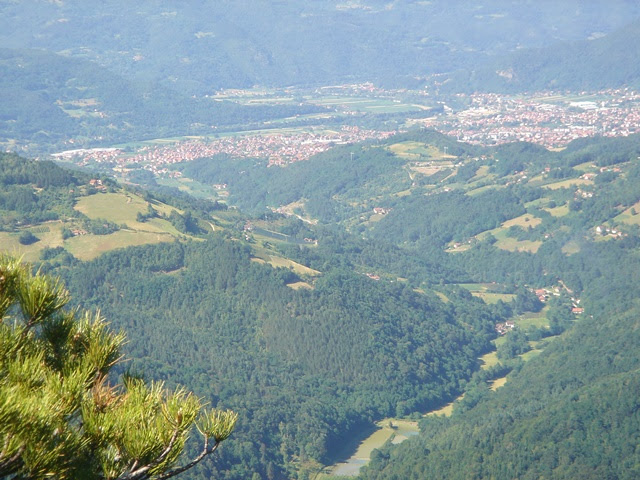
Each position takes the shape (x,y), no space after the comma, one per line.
(399,240)
(474,263)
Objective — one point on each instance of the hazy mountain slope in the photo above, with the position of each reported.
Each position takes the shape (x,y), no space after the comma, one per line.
(607,62)
(204,45)
(56,101)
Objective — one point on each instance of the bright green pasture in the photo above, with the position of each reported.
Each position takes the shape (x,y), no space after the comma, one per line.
(533,319)
(482,290)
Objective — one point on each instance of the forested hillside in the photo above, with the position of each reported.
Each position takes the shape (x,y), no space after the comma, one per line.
(304,368)
(374,314)
(572,412)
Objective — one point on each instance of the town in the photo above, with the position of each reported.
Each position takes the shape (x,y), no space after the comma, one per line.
(550,119)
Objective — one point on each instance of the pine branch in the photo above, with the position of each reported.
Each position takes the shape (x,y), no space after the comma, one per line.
(143,472)
(205,451)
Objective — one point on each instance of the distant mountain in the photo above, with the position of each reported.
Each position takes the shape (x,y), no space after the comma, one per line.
(62,102)
(203,45)
(607,62)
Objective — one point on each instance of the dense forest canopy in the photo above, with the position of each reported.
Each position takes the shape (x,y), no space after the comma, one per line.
(303,367)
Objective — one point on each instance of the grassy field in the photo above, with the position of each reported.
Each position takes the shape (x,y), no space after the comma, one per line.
(123,208)
(49,235)
(119,208)
(193,188)
(447,410)
(513,245)
(482,290)
(114,207)
(489,360)
(88,247)
(523,221)
(571,182)
(490,298)
(571,247)
(419,151)
(484,188)
(389,429)
(584,167)
(300,285)
(261,255)
(370,105)
(560,211)
(298,268)
(497,383)
(481,174)
(628,217)
(505,242)
(531,319)
(530,354)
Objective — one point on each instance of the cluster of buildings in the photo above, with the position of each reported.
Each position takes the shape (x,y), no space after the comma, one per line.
(278,148)
(549,119)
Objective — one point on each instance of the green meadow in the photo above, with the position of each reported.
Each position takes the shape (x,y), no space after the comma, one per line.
(88,247)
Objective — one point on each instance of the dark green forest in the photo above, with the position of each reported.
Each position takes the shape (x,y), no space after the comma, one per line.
(303,368)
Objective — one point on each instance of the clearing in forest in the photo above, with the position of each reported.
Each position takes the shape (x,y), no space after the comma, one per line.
(88,247)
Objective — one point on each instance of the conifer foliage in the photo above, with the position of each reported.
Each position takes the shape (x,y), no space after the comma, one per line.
(61,417)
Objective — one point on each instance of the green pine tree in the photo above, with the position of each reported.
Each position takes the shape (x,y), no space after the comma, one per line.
(61,417)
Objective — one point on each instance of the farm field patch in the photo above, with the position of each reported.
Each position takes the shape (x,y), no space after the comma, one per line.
(571,182)
(88,247)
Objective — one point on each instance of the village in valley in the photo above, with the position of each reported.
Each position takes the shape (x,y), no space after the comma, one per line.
(550,119)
